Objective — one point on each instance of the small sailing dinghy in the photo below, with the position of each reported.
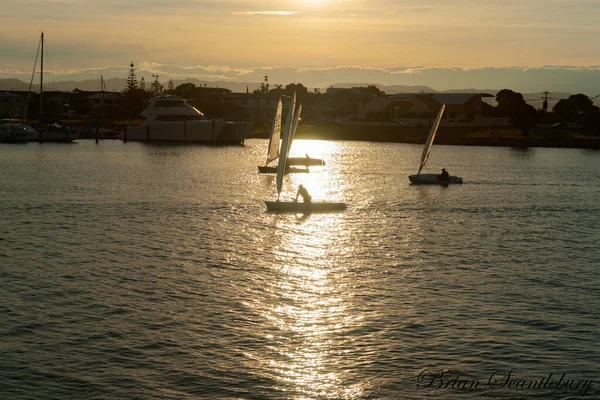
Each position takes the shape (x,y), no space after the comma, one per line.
(295,206)
(435,179)
(306,161)
(273,151)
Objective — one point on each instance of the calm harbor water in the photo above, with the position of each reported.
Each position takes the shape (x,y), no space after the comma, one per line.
(136,271)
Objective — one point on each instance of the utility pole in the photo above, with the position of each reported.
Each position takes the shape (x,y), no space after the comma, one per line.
(545,104)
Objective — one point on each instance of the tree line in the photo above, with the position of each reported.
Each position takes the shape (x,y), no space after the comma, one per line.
(576,109)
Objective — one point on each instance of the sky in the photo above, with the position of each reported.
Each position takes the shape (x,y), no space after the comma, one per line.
(528,46)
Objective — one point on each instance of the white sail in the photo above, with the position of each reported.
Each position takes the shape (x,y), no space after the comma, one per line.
(429,142)
(273,150)
(294,127)
(281,165)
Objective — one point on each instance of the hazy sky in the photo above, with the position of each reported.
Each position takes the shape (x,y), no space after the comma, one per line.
(441,43)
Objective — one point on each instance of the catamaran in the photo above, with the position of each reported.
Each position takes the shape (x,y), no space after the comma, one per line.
(432,178)
(295,206)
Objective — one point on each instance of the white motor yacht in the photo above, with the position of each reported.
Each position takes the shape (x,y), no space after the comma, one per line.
(235,132)
(171,118)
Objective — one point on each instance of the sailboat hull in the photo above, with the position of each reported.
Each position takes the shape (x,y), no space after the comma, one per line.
(300,207)
(59,136)
(308,162)
(263,169)
(234,132)
(202,131)
(433,179)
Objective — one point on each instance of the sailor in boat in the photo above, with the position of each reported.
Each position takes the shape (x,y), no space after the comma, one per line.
(307,198)
(444,176)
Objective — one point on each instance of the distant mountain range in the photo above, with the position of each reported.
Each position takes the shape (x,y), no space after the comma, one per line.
(117,84)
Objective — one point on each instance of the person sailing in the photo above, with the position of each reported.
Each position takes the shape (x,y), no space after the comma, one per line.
(304,193)
(444,176)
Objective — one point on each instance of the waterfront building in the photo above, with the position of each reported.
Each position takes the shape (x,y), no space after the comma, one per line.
(12,105)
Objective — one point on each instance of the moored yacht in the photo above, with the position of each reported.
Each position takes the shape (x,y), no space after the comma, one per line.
(19,131)
(16,133)
(235,132)
(46,131)
(171,118)
(53,132)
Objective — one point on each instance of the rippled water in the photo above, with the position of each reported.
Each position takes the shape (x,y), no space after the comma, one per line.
(135,271)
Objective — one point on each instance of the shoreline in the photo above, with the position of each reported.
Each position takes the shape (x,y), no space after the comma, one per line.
(493,137)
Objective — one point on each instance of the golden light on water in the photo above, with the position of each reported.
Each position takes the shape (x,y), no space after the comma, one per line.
(314,148)
(323,183)
(308,311)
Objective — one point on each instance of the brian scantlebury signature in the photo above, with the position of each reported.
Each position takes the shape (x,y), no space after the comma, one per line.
(436,379)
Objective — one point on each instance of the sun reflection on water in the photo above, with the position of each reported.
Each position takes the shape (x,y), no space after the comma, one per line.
(308,314)
(323,149)
(323,182)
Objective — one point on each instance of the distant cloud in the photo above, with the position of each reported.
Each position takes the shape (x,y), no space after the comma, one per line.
(206,72)
(265,13)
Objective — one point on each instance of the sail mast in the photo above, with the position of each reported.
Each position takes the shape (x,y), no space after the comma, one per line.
(281,165)
(41,74)
(294,127)
(102,99)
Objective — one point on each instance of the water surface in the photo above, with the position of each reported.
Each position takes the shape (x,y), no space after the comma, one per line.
(148,271)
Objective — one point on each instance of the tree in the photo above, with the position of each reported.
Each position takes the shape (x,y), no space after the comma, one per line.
(170,86)
(582,103)
(574,108)
(524,118)
(277,89)
(156,87)
(509,102)
(565,110)
(142,83)
(264,87)
(135,98)
(132,83)
(371,91)
(299,88)
(184,89)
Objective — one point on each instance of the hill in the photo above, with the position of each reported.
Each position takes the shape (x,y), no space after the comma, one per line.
(117,84)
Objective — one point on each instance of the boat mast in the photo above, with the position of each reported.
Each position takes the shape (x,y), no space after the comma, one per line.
(41,74)
(102,86)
